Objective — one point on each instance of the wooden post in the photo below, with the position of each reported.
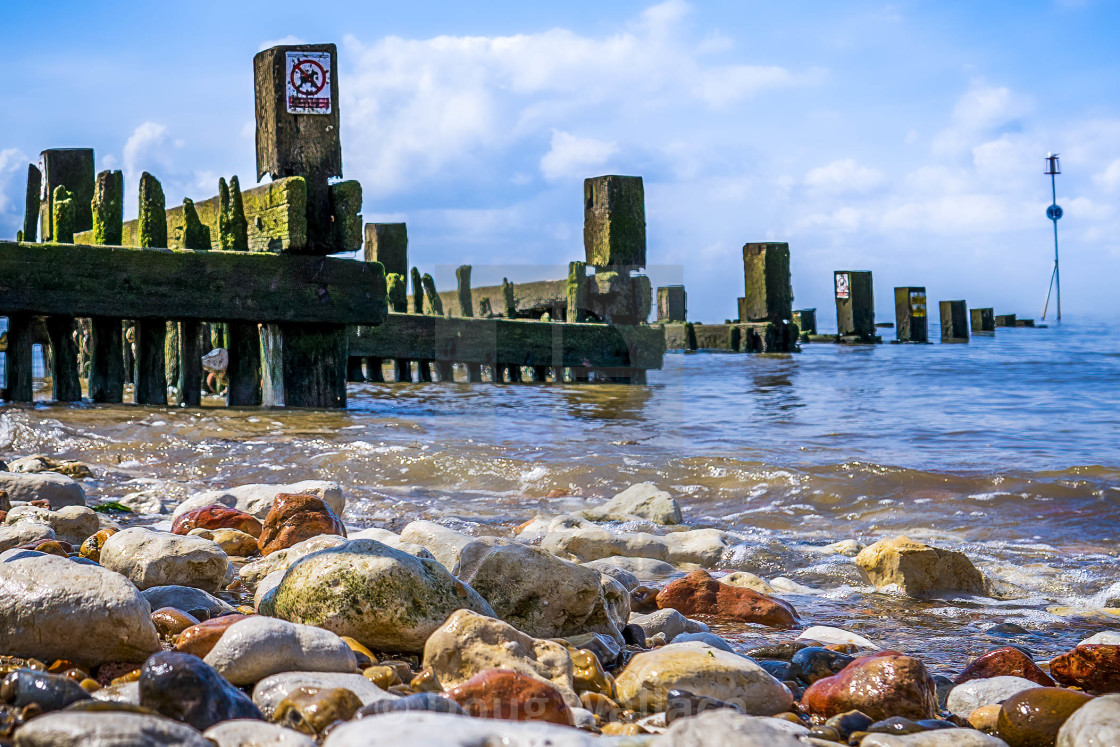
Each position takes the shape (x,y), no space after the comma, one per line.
(67,384)
(18,358)
(434,301)
(463,278)
(689,336)
(509,298)
(387,243)
(298,127)
(151,371)
(672,304)
(766,280)
(614,221)
(62,216)
(417,292)
(397,292)
(31,203)
(404,370)
(983,320)
(578,291)
(233,228)
(446,370)
(243,341)
(152,220)
(374,370)
(309,360)
(108,208)
(1006,320)
(954,321)
(106,370)
(71,168)
(806,321)
(855,306)
(354,370)
(910,314)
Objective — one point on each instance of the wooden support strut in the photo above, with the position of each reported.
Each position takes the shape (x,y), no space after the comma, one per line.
(107,369)
(18,363)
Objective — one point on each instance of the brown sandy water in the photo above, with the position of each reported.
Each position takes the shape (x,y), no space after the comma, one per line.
(1004,448)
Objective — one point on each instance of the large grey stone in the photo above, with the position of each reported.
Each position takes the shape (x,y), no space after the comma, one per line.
(646,570)
(968,696)
(443,543)
(58,490)
(71,524)
(149,558)
(448,730)
(1095,724)
(587,543)
(271,690)
(387,599)
(23,533)
(667,621)
(257,498)
(258,646)
(186,598)
(107,729)
(939,738)
(541,594)
(643,500)
(250,733)
(52,608)
(393,540)
(725,727)
(253,573)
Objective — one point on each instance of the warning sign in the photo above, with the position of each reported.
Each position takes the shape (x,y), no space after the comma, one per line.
(309,82)
(843,289)
(917,304)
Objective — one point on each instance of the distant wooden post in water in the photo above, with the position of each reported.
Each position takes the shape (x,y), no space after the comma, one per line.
(983,320)
(672,304)
(1005,320)
(954,321)
(911,314)
(806,321)
(855,306)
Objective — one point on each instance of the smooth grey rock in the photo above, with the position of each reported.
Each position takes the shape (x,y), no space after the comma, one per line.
(393,540)
(254,572)
(257,498)
(271,690)
(447,730)
(107,729)
(667,621)
(938,738)
(71,524)
(584,544)
(709,548)
(1106,637)
(968,696)
(1095,724)
(250,733)
(725,727)
(51,608)
(126,692)
(443,543)
(22,533)
(58,490)
(646,570)
(384,598)
(644,500)
(150,501)
(149,558)
(186,598)
(826,635)
(710,639)
(258,646)
(628,580)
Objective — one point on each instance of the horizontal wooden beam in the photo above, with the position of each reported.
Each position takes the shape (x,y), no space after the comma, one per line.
(510,342)
(126,283)
(534,298)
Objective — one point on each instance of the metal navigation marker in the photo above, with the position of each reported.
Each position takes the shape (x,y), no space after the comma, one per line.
(1054,213)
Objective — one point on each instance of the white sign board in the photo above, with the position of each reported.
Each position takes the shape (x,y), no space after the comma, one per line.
(842,285)
(308,82)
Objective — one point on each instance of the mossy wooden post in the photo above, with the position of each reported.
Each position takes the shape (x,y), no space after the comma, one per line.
(71,168)
(768,293)
(466,308)
(509,299)
(910,314)
(417,292)
(66,381)
(397,292)
(18,358)
(806,321)
(31,203)
(435,304)
(614,221)
(188,334)
(1006,320)
(304,365)
(954,321)
(578,291)
(983,320)
(243,374)
(62,216)
(855,306)
(298,130)
(107,361)
(108,208)
(151,334)
(387,243)
(233,228)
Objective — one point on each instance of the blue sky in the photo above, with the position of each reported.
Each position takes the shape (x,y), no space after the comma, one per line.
(906,138)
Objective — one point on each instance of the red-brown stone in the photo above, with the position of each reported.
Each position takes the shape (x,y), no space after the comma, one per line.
(217,516)
(295,517)
(1093,667)
(882,685)
(700,594)
(199,639)
(509,695)
(1005,662)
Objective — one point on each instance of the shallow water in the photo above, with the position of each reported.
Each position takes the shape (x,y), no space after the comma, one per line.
(1004,448)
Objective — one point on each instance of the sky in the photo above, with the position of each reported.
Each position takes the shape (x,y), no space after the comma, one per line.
(905,138)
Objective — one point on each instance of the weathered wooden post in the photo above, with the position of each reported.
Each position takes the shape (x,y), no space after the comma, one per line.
(768,295)
(855,306)
(18,358)
(578,290)
(242,339)
(806,321)
(65,377)
(31,203)
(910,313)
(983,320)
(188,353)
(672,304)
(397,292)
(466,308)
(954,321)
(387,243)
(151,334)
(71,168)
(62,216)
(1006,320)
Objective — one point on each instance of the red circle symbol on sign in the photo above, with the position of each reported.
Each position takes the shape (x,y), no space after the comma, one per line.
(308,77)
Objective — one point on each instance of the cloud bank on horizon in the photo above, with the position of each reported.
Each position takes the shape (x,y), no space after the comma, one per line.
(880,138)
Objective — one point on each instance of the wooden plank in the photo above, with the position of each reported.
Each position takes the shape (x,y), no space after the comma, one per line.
(511,342)
(65,381)
(208,286)
(151,372)
(243,374)
(18,358)
(529,299)
(106,370)
(190,363)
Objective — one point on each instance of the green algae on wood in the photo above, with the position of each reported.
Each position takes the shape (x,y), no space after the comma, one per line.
(397,292)
(614,221)
(417,292)
(387,243)
(463,280)
(62,216)
(108,208)
(233,228)
(435,305)
(152,221)
(196,235)
(346,208)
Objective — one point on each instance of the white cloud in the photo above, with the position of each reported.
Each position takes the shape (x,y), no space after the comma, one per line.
(843,177)
(1109,179)
(147,148)
(283,41)
(981,112)
(572,156)
(11,160)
